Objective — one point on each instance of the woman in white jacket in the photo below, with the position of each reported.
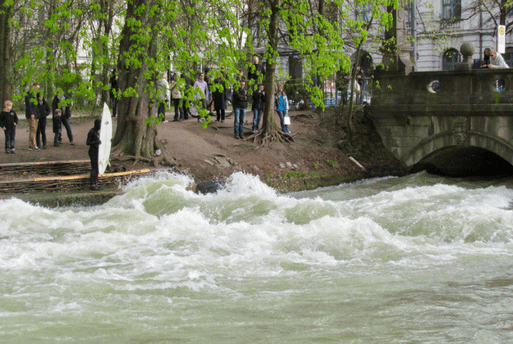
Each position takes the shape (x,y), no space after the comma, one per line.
(496,60)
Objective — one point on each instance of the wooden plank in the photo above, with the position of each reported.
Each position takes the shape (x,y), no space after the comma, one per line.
(101,176)
(64,183)
(38,163)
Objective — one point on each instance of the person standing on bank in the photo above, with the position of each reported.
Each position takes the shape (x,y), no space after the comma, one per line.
(32,115)
(256,73)
(240,103)
(177,86)
(8,122)
(59,102)
(201,92)
(281,107)
(114,88)
(44,110)
(163,97)
(219,93)
(258,106)
(57,127)
(93,141)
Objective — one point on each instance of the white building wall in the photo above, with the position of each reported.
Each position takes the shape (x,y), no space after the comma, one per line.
(435,36)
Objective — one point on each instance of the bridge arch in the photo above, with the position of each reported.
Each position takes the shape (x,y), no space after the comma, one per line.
(485,154)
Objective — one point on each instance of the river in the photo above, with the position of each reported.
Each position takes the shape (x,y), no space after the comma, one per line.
(416,259)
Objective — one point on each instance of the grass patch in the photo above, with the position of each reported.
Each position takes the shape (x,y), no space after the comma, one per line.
(294,175)
(332,163)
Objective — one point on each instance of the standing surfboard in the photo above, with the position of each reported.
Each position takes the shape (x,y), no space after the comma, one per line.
(105,137)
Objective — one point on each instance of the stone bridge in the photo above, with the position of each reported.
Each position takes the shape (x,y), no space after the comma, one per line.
(449,121)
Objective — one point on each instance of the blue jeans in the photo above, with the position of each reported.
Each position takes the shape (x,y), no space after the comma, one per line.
(238,123)
(65,123)
(284,127)
(257,115)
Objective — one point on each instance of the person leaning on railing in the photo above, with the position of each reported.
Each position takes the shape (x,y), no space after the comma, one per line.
(496,60)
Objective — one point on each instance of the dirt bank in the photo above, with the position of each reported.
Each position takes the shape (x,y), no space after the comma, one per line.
(320,154)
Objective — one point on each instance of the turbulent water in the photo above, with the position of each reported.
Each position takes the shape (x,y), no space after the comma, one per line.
(419,259)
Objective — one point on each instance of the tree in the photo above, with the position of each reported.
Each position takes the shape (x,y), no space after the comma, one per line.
(370,18)
(101,21)
(185,29)
(6,10)
(136,134)
(497,10)
(318,40)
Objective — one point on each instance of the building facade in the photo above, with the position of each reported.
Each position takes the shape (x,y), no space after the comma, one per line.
(443,25)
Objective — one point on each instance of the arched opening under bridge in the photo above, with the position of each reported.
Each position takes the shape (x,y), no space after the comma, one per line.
(457,161)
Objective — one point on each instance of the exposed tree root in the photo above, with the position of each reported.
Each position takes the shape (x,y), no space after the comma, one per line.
(267,138)
(134,158)
(156,161)
(303,116)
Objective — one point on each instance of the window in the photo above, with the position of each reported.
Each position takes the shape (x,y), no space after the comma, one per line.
(451,9)
(450,59)
(363,12)
(295,67)
(331,13)
(409,13)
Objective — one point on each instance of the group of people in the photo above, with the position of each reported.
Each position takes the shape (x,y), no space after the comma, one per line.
(240,104)
(214,96)
(493,60)
(37,110)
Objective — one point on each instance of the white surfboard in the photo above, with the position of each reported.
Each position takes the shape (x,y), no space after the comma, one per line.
(105,137)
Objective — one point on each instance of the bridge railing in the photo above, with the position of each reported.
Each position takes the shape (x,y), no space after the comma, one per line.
(450,92)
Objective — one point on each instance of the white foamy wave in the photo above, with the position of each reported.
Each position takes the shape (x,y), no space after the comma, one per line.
(160,227)
(162,176)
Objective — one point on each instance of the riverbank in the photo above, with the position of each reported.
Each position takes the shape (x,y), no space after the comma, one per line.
(320,154)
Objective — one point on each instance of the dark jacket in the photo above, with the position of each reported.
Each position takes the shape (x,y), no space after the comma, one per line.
(43,108)
(258,101)
(31,105)
(114,85)
(93,137)
(240,98)
(56,104)
(57,124)
(7,119)
(255,71)
(219,95)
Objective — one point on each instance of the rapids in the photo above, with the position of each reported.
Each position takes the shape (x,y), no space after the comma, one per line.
(417,259)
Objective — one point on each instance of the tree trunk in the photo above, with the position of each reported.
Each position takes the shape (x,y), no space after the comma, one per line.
(5,53)
(106,5)
(269,123)
(136,132)
(503,12)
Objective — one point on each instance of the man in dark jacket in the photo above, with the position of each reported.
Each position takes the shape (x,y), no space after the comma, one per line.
(114,89)
(240,103)
(256,73)
(93,141)
(219,93)
(258,106)
(44,110)
(32,115)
